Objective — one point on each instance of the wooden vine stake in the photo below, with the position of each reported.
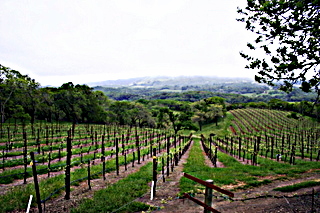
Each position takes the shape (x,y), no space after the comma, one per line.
(122,141)
(36,184)
(89,178)
(117,156)
(3,167)
(154,172)
(133,158)
(103,159)
(162,170)
(25,157)
(8,144)
(125,161)
(138,148)
(239,145)
(67,172)
(216,156)
(208,196)
(168,153)
(49,164)
(47,135)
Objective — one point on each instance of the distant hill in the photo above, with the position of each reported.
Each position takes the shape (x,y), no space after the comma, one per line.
(160,81)
(193,88)
(114,83)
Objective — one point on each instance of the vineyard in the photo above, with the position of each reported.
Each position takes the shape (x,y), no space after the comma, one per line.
(261,143)
(272,134)
(267,134)
(95,151)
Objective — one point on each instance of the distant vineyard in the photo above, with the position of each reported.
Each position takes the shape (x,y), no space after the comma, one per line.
(270,134)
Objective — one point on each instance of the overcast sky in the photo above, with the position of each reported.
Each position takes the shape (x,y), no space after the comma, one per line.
(84,41)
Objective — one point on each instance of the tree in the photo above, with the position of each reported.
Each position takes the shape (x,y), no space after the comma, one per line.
(208,110)
(28,96)
(215,112)
(47,105)
(162,117)
(175,121)
(141,116)
(16,90)
(80,103)
(288,34)
(199,117)
(200,112)
(68,100)
(277,104)
(119,112)
(20,114)
(8,84)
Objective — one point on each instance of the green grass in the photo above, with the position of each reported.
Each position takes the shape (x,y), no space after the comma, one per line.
(120,193)
(235,172)
(297,186)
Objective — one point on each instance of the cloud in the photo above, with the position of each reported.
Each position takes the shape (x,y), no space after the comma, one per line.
(81,40)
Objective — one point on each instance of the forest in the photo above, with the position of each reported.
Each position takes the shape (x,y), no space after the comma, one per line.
(24,100)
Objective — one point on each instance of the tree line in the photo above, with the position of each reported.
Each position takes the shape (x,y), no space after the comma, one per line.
(233,93)
(23,100)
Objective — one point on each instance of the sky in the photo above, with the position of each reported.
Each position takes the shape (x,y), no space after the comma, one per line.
(85,41)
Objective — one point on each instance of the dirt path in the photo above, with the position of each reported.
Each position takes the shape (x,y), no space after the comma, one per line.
(208,161)
(264,199)
(166,195)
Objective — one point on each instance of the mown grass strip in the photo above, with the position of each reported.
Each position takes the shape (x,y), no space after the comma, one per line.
(294,187)
(120,193)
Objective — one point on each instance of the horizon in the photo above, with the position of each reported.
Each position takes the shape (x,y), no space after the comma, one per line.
(113,81)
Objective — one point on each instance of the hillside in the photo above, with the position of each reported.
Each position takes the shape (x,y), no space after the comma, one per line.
(161,81)
(194,88)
